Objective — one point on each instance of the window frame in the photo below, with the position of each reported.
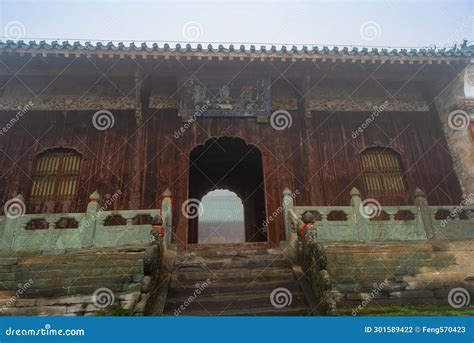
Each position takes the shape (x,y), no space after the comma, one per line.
(382,176)
(63,178)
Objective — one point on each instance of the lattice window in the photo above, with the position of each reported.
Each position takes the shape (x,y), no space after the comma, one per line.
(56,176)
(382,172)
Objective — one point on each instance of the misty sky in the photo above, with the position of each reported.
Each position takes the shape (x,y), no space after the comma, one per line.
(392,23)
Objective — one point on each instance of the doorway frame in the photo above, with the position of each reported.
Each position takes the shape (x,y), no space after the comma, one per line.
(185,237)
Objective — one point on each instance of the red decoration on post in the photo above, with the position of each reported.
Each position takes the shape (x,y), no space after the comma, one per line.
(157,230)
(308,220)
(303,230)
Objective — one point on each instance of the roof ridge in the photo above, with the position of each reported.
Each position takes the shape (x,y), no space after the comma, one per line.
(99,46)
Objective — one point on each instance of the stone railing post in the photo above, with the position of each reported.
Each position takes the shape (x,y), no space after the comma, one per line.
(89,225)
(425,213)
(361,222)
(287,204)
(167,215)
(14,209)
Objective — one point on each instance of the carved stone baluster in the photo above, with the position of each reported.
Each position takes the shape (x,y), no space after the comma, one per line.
(13,223)
(391,216)
(362,224)
(287,204)
(425,212)
(52,222)
(89,223)
(167,215)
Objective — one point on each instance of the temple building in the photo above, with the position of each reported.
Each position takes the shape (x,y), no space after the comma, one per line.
(321,154)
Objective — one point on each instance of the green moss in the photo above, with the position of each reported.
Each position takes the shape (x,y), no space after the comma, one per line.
(115,311)
(421,310)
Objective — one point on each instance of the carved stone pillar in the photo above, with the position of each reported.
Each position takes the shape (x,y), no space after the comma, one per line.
(89,224)
(455,105)
(360,220)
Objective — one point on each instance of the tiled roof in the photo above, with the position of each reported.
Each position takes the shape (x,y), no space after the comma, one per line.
(292,53)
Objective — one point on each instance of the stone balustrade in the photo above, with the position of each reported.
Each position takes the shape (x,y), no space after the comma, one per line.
(97,228)
(366,258)
(368,221)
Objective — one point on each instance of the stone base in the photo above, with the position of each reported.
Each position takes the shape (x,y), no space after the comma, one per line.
(395,274)
(65,285)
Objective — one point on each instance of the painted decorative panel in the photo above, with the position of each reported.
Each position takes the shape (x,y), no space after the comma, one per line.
(222,95)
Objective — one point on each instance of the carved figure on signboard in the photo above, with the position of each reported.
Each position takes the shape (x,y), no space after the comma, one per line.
(199,95)
(246,97)
(243,96)
(224,100)
(224,93)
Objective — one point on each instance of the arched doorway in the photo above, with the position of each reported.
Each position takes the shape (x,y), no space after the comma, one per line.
(232,164)
(222,219)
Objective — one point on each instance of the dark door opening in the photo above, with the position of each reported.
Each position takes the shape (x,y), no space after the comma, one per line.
(231,164)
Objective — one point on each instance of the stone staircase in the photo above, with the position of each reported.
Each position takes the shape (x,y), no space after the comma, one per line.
(236,280)
(63,284)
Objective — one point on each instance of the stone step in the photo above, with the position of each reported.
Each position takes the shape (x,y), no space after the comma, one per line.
(377,247)
(66,274)
(77,259)
(178,289)
(99,281)
(232,257)
(233,263)
(267,311)
(44,310)
(394,302)
(236,274)
(248,245)
(228,252)
(230,301)
(72,266)
(240,280)
(55,291)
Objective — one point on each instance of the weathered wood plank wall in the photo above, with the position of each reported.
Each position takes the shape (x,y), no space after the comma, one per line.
(316,156)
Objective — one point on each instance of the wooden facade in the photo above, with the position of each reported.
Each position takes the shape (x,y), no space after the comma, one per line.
(141,155)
